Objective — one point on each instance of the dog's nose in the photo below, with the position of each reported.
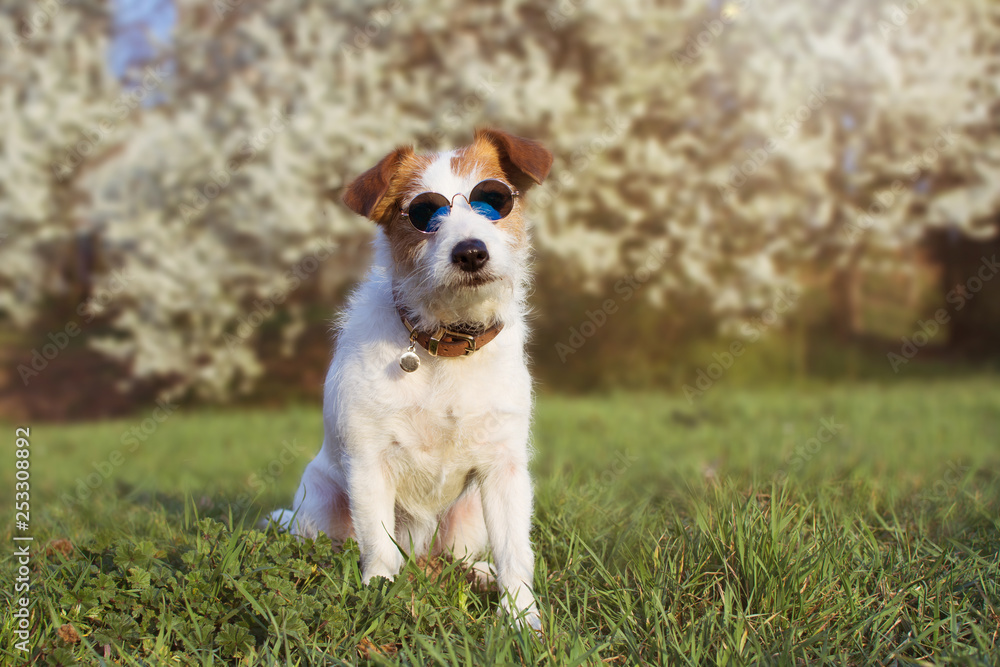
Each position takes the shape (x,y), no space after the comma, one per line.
(470,255)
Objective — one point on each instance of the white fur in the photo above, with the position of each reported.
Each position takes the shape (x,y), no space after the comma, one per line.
(444,449)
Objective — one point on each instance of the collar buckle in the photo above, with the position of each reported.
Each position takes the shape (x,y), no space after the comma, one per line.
(470,342)
(444,341)
(435,341)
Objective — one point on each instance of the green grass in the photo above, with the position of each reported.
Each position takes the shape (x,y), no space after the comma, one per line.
(665,534)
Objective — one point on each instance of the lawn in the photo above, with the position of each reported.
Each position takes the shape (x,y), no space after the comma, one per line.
(855,525)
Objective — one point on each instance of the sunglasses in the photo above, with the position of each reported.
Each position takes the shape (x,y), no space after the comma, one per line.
(491,199)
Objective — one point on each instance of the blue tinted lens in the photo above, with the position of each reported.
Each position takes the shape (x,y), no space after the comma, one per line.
(485,210)
(436,219)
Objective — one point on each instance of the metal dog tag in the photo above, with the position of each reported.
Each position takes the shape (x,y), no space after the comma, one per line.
(409,361)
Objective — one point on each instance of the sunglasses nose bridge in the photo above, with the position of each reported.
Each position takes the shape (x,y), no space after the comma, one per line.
(468,204)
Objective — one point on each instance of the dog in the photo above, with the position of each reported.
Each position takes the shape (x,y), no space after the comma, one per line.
(427,402)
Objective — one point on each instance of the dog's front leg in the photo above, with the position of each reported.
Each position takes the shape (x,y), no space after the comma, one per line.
(373,513)
(506,492)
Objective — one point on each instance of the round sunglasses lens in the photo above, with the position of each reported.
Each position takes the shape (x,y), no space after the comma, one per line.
(494,194)
(423,211)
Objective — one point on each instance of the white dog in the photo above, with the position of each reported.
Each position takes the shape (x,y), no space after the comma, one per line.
(427,402)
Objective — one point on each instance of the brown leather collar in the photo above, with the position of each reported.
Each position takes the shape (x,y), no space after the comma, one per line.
(447,342)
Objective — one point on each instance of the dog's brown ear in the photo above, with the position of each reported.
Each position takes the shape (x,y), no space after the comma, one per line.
(364,193)
(523,161)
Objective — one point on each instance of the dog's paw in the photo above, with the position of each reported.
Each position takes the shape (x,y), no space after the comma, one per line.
(524,618)
(367,579)
(535,623)
(519,607)
(379,569)
(530,619)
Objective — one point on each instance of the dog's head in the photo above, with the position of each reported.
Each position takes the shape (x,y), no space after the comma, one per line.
(454,225)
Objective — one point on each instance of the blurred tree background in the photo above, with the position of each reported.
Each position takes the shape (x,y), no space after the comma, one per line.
(814,180)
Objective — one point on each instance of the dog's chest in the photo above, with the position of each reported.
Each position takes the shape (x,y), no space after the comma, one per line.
(433,450)
(433,428)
